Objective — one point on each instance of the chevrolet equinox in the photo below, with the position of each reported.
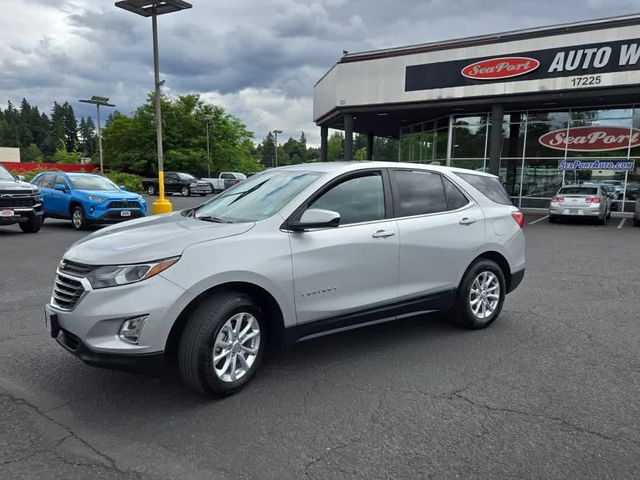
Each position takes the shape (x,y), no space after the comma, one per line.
(286,255)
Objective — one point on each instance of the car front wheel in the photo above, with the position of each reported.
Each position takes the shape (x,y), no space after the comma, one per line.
(481,295)
(222,345)
(151,190)
(78,219)
(186,192)
(32,226)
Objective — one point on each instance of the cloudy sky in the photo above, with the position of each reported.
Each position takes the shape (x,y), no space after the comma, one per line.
(257,58)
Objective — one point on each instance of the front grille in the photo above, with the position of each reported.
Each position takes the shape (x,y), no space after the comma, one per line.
(75,269)
(66,292)
(17,201)
(124,204)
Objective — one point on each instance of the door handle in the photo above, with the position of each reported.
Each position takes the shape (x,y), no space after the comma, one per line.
(467,221)
(383,234)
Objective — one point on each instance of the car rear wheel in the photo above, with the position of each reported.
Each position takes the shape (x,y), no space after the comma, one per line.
(222,345)
(78,219)
(636,223)
(603,219)
(186,191)
(151,190)
(481,295)
(553,219)
(32,226)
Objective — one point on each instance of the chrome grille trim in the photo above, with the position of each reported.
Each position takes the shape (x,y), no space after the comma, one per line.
(68,290)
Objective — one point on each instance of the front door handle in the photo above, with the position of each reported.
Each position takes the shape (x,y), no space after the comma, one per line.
(383,234)
(467,221)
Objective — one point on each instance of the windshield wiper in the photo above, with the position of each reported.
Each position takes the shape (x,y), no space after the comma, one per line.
(207,218)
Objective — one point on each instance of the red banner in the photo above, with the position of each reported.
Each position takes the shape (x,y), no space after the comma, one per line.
(498,68)
(64,167)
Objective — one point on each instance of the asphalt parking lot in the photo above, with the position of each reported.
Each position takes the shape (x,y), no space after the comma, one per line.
(549,391)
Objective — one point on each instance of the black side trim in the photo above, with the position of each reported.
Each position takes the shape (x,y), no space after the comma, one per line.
(516,279)
(151,363)
(436,301)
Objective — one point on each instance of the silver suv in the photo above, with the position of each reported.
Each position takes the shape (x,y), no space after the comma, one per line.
(284,256)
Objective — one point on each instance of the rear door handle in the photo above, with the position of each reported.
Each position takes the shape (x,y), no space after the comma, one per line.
(467,221)
(383,234)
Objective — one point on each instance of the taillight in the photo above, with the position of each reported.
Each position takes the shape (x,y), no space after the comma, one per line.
(518,216)
(557,198)
(593,199)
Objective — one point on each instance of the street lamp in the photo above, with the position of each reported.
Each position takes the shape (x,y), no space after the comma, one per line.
(153,8)
(276,133)
(207,119)
(97,101)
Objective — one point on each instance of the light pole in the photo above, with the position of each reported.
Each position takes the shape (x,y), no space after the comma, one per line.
(207,119)
(276,133)
(97,101)
(153,8)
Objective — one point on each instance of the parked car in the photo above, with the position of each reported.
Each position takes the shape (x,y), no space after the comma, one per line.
(299,251)
(618,187)
(583,201)
(20,203)
(86,198)
(636,214)
(220,181)
(178,182)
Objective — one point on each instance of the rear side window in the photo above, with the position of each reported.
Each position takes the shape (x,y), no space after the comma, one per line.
(490,187)
(579,191)
(455,198)
(419,193)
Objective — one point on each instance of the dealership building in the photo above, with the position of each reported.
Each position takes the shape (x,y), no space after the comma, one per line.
(540,107)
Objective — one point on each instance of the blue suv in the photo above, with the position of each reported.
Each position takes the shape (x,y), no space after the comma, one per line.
(86,198)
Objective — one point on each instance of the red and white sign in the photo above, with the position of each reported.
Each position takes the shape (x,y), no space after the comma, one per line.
(591,139)
(499,68)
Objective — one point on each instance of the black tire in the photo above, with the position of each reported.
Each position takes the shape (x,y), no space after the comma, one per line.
(636,222)
(603,220)
(151,190)
(186,191)
(197,343)
(553,219)
(203,194)
(462,312)
(32,226)
(78,218)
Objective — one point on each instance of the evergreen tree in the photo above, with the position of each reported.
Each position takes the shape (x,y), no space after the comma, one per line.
(268,150)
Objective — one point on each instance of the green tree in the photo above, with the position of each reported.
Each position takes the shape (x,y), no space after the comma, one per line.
(62,156)
(31,154)
(360,154)
(267,150)
(335,147)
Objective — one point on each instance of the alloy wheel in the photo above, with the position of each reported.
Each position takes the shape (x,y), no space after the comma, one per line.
(236,347)
(76,218)
(484,296)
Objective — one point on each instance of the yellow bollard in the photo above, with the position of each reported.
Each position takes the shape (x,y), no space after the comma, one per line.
(162,205)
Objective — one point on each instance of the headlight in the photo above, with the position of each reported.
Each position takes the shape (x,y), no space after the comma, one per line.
(97,199)
(114,275)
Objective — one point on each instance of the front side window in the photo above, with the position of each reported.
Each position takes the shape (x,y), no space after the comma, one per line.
(61,181)
(47,180)
(359,199)
(256,199)
(92,183)
(187,176)
(419,193)
(227,176)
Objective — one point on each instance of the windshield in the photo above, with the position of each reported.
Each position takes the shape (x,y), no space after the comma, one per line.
(92,183)
(579,191)
(186,176)
(4,175)
(258,197)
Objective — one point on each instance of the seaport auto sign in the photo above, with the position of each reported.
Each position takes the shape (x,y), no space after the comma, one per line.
(591,139)
(581,60)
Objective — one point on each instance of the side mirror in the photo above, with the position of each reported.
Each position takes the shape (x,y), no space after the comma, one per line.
(21,178)
(316,218)
(122,187)
(61,187)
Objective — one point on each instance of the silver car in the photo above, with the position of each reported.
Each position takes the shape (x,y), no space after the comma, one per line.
(288,254)
(580,201)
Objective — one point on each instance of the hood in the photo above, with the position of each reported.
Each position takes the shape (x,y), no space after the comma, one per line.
(17,185)
(148,238)
(112,194)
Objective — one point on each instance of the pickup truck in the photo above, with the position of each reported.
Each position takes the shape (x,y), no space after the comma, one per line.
(178,182)
(20,203)
(222,180)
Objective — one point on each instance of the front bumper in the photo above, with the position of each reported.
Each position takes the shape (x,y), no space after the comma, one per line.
(95,320)
(21,214)
(201,189)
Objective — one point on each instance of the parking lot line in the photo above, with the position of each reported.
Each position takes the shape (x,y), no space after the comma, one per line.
(622,222)
(539,220)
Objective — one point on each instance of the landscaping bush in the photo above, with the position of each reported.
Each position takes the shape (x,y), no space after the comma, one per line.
(133,183)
